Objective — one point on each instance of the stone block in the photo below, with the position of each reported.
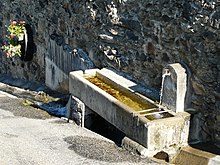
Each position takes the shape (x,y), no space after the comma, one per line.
(199,89)
(218,118)
(75,110)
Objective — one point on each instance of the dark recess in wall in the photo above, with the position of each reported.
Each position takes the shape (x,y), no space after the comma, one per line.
(27,51)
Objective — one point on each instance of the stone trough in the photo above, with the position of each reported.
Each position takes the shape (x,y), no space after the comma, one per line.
(153,126)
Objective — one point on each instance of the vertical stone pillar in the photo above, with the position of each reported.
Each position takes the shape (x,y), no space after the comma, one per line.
(76,110)
(175,88)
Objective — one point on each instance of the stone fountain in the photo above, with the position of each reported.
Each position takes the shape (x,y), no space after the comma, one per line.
(157,127)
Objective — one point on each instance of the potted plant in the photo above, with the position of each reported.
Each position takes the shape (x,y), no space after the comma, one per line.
(16,32)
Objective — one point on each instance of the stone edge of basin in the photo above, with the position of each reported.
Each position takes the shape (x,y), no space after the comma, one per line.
(126,85)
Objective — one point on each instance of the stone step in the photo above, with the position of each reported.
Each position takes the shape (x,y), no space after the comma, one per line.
(204,154)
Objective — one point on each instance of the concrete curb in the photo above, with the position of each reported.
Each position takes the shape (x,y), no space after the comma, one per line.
(196,156)
(3,94)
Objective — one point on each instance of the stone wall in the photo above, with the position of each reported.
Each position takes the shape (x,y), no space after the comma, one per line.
(138,37)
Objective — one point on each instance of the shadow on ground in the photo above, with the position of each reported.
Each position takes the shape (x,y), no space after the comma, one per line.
(98,149)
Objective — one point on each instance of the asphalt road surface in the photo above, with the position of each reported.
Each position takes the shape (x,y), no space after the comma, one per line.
(29,136)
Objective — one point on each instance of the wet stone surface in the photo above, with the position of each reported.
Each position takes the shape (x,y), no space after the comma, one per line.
(18,109)
(50,101)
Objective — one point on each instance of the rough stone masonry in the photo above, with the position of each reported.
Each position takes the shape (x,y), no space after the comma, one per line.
(138,37)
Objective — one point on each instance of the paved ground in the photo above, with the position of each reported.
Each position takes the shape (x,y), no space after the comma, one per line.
(31,136)
(207,155)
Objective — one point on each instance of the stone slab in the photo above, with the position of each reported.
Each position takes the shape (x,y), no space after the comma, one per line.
(196,157)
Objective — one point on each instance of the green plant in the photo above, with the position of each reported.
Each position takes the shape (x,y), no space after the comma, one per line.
(12,50)
(16,32)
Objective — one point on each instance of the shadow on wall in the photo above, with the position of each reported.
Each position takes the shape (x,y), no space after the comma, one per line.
(28,47)
(207,147)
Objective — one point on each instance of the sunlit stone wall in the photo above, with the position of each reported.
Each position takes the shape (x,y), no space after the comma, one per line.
(138,37)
